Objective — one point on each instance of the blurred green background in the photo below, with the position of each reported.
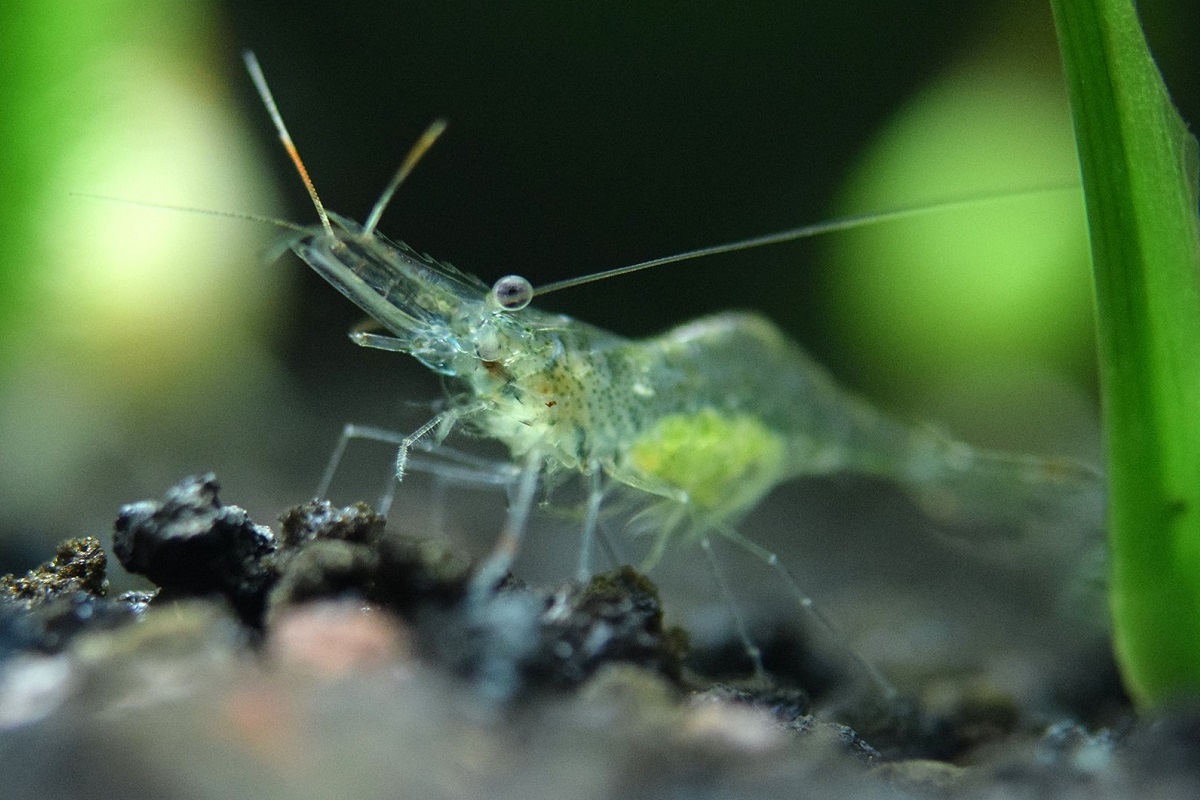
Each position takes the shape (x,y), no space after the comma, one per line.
(137,346)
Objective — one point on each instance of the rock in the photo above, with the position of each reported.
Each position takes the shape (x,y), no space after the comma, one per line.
(189,544)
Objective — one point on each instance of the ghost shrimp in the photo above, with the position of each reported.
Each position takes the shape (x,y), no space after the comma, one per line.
(699,422)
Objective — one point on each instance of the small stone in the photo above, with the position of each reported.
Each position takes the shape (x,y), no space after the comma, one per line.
(190,544)
(319,520)
(79,565)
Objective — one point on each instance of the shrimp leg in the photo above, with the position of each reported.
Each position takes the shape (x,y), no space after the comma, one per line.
(753,651)
(497,565)
(809,607)
(442,423)
(591,518)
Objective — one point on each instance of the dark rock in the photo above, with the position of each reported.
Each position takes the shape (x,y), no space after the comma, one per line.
(509,643)
(617,617)
(325,569)
(319,520)
(414,572)
(520,641)
(785,705)
(790,709)
(189,544)
(902,728)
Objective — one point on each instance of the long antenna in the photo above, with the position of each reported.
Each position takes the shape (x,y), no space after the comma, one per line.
(264,91)
(792,234)
(208,212)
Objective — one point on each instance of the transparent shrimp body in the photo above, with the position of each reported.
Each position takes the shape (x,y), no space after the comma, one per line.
(698,423)
(705,418)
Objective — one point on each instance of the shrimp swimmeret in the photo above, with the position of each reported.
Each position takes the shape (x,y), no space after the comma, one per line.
(702,420)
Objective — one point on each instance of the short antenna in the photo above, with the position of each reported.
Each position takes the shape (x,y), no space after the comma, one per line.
(260,83)
(435,129)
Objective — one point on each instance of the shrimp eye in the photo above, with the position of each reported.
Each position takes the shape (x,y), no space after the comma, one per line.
(512,292)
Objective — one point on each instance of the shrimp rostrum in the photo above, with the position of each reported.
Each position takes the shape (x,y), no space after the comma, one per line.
(701,421)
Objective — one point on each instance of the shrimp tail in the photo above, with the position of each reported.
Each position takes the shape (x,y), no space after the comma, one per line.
(990,503)
(981,498)
(986,495)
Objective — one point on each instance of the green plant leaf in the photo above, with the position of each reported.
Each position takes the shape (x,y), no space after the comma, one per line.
(1139,167)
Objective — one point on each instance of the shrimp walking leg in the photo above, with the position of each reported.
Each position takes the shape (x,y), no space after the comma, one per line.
(499,474)
(810,608)
(739,621)
(610,551)
(404,442)
(454,469)
(492,571)
(352,431)
(590,519)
